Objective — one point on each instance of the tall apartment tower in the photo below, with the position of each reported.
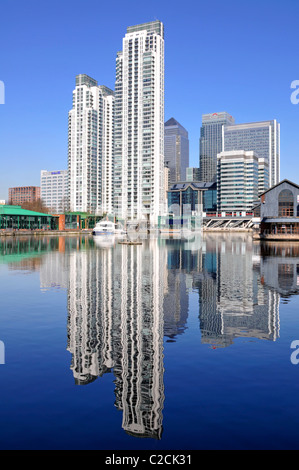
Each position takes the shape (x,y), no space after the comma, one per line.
(139,124)
(211,143)
(176,150)
(90,147)
(263,138)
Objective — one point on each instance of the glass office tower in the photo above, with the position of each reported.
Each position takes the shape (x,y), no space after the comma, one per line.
(192,174)
(237,181)
(176,145)
(211,143)
(263,138)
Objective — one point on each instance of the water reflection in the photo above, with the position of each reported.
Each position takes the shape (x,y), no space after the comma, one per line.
(122,301)
(115,320)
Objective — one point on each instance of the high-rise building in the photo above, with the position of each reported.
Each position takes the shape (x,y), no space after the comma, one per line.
(139,124)
(192,174)
(237,181)
(263,138)
(54,190)
(21,194)
(90,148)
(211,143)
(176,145)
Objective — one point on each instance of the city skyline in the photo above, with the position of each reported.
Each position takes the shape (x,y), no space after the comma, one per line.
(252,87)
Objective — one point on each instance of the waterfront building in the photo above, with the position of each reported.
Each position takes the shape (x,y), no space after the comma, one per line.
(55,190)
(90,147)
(263,138)
(21,194)
(211,143)
(176,150)
(13,217)
(279,211)
(192,197)
(237,181)
(192,174)
(139,124)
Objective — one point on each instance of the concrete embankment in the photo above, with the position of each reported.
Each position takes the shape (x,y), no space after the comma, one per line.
(39,233)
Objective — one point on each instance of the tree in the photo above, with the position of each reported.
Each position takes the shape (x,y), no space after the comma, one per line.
(36,206)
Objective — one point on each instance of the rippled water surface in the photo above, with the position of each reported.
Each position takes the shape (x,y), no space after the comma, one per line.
(170,344)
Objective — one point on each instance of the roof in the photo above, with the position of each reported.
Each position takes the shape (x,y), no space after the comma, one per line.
(281,182)
(200,185)
(281,220)
(173,122)
(17,210)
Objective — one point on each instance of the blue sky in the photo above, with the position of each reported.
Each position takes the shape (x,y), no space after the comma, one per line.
(233,56)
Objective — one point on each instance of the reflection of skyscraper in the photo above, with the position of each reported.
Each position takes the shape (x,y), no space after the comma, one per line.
(90,315)
(233,301)
(115,324)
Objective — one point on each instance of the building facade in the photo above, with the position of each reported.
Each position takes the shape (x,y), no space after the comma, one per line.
(13,217)
(279,211)
(19,195)
(237,181)
(90,147)
(211,143)
(55,190)
(139,124)
(190,197)
(176,145)
(192,174)
(263,138)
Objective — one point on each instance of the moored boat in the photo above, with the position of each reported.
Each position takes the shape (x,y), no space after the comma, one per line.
(106,227)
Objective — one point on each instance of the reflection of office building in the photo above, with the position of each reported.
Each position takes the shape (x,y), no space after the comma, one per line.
(115,323)
(54,271)
(175,304)
(176,155)
(233,300)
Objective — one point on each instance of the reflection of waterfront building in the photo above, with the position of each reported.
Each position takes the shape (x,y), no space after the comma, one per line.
(280,268)
(115,323)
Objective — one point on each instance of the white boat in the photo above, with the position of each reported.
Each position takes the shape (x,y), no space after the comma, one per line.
(105,227)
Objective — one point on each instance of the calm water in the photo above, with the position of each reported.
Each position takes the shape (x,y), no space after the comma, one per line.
(168,345)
